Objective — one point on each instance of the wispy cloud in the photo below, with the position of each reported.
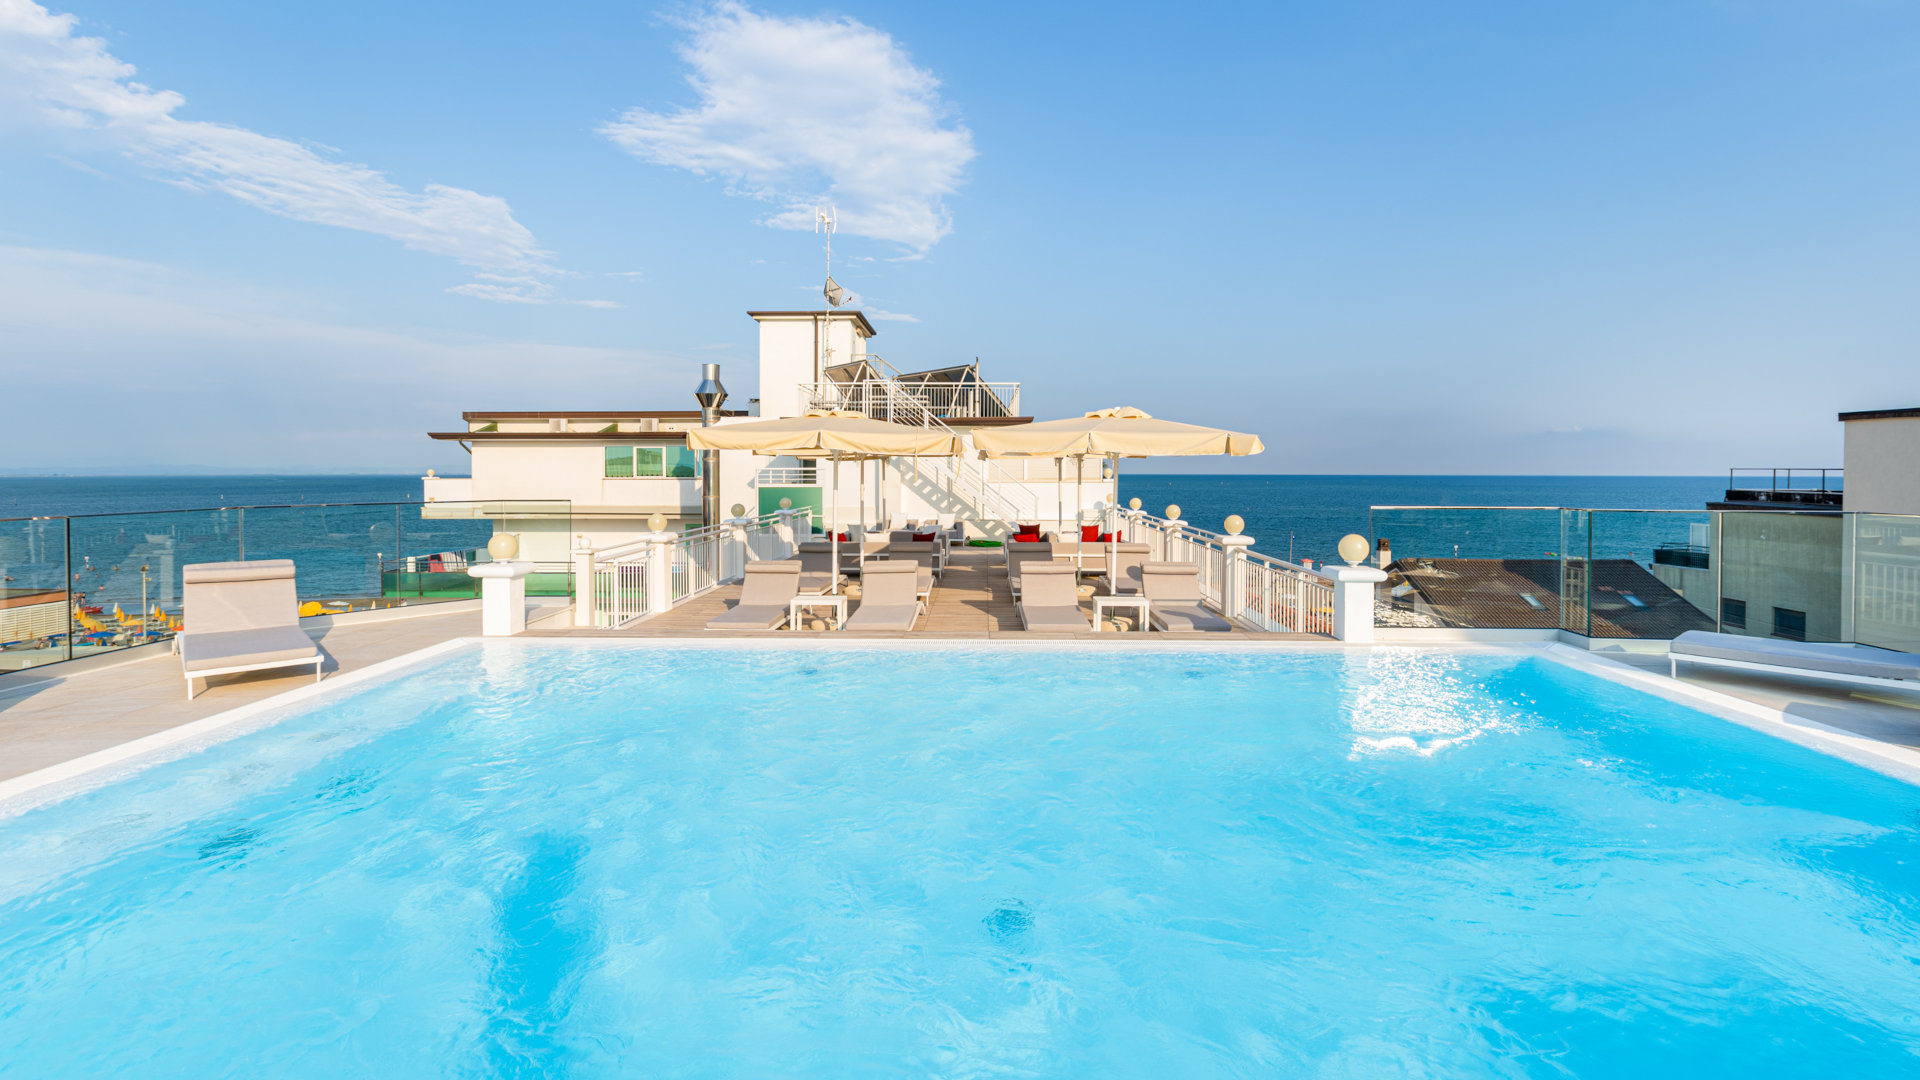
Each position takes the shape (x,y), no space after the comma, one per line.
(891,316)
(800,112)
(54,78)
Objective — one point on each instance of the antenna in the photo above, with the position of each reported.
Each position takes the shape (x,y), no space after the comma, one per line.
(825,221)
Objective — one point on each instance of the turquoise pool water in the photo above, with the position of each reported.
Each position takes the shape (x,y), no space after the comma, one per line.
(556,861)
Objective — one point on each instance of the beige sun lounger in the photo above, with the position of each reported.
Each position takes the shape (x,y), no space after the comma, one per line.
(816,569)
(1050,597)
(766,597)
(241,616)
(1859,664)
(921,553)
(1173,597)
(1019,555)
(888,597)
(1123,578)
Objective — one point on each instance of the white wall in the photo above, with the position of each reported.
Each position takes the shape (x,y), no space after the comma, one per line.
(788,355)
(1883,465)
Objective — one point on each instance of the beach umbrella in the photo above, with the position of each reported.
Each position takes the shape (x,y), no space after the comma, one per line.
(831,433)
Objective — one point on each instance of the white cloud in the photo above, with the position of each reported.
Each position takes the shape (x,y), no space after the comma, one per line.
(802,112)
(891,316)
(52,78)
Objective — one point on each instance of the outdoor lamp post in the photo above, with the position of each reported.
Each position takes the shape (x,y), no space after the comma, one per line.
(143,600)
(711,395)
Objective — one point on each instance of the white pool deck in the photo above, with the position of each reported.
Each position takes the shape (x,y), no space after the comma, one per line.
(55,715)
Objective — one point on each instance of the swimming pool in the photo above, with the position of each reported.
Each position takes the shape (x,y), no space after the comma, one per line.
(544,859)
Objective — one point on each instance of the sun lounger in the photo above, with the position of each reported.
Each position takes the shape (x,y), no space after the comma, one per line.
(816,569)
(1860,664)
(766,596)
(1123,578)
(1021,554)
(922,553)
(1173,597)
(888,597)
(242,616)
(1050,597)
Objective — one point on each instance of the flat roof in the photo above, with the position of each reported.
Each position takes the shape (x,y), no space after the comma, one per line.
(560,436)
(598,414)
(1879,414)
(859,315)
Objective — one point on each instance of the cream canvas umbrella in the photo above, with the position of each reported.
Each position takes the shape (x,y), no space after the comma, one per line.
(1118,432)
(831,433)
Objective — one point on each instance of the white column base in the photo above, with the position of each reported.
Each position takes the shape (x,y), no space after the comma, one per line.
(1353,601)
(503,597)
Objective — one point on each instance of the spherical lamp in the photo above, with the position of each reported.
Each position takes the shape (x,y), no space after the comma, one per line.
(739,509)
(1353,548)
(786,504)
(1234,525)
(1173,511)
(503,546)
(1133,504)
(658,523)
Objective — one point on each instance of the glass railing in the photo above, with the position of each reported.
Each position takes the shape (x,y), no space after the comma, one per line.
(79,586)
(1654,574)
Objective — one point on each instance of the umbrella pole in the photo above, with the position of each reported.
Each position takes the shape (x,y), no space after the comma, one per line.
(1059,501)
(833,530)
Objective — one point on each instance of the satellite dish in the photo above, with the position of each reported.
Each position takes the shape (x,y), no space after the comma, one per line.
(834,293)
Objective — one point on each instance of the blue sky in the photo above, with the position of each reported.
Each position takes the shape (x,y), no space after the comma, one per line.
(1393,237)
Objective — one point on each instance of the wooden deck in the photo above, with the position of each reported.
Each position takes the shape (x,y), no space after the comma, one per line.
(970,600)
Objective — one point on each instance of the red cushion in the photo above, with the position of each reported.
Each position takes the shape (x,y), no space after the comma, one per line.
(1026,530)
(1104,538)
(1089,534)
(844,538)
(924,538)
(1023,538)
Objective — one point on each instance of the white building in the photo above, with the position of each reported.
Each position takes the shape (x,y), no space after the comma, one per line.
(616,468)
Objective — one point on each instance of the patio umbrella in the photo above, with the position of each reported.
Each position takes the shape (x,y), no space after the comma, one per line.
(1118,432)
(831,433)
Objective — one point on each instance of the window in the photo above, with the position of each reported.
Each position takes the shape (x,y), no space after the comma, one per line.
(682,461)
(1733,614)
(625,461)
(1789,624)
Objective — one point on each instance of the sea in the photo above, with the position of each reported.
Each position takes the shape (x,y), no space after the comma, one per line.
(1289,517)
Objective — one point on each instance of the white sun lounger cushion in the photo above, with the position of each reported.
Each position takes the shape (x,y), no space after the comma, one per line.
(1814,657)
(243,648)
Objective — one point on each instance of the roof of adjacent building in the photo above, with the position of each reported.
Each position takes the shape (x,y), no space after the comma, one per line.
(617,437)
(1879,414)
(858,316)
(1492,593)
(597,414)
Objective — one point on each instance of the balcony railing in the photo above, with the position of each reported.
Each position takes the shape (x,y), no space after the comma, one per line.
(1793,487)
(909,402)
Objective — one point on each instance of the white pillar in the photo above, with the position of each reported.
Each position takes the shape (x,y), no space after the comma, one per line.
(503,597)
(583,586)
(1353,600)
(660,572)
(1233,586)
(784,528)
(737,533)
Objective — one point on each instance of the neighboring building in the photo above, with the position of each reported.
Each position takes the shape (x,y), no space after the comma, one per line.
(617,468)
(1883,460)
(1627,601)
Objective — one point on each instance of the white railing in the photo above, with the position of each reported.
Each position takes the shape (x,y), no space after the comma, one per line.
(1266,593)
(786,474)
(902,402)
(984,484)
(650,575)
